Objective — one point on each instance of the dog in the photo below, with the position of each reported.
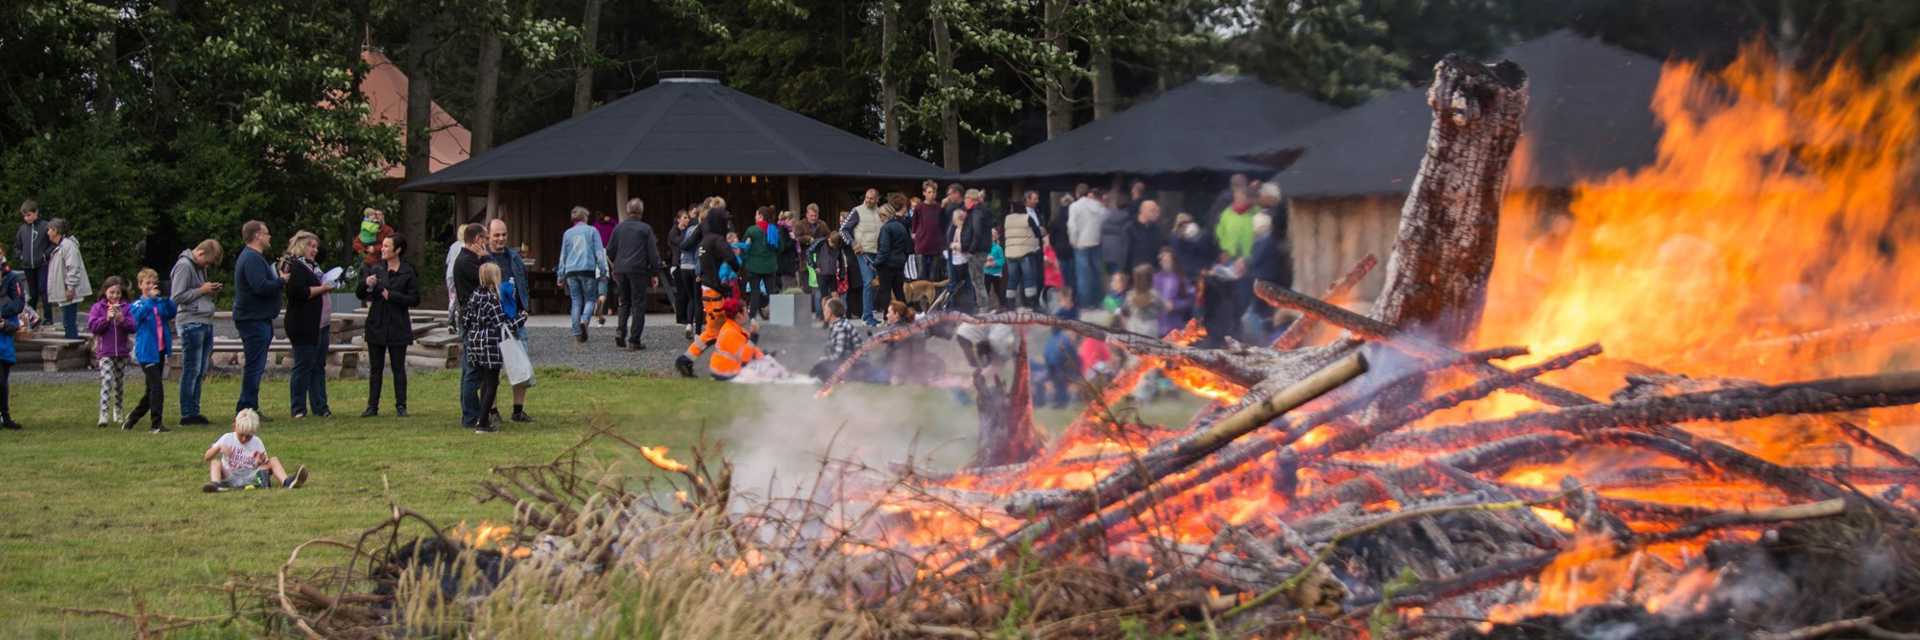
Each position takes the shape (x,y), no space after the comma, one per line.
(921,294)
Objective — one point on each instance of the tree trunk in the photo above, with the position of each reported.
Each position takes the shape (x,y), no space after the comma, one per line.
(1007,434)
(486,93)
(889,93)
(413,205)
(1105,95)
(108,57)
(165,94)
(949,115)
(583,74)
(1059,82)
(1437,277)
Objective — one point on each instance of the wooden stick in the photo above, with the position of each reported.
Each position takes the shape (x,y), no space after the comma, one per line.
(1298,332)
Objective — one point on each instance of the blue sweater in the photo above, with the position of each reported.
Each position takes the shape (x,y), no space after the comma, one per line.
(153,330)
(256,287)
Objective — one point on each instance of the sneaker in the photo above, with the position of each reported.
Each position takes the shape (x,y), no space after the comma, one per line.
(485,427)
(9,424)
(297,480)
(689,332)
(323,413)
(102,425)
(126,426)
(157,429)
(636,346)
(213,487)
(521,416)
(370,412)
(194,421)
(619,342)
(400,411)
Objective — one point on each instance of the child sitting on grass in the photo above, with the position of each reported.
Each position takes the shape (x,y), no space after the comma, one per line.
(152,343)
(239,460)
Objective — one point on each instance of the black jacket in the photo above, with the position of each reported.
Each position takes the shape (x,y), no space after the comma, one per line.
(979,237)
(31,249)
(466,274)
(1194,256)
(387,321)
(895,244)
(714,250)
(1144,242)
(633,250)
(303,310)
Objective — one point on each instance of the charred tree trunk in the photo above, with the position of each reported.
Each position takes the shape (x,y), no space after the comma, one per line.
(1105,95)
(1007,434)
(1437,277)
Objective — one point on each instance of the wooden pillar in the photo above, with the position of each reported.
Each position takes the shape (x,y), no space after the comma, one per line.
(493,199)
(620,196)
(793,195)
(460,206)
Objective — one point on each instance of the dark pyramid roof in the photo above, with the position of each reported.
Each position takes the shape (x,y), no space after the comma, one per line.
(1187,129)
(685,126)
(1587,116)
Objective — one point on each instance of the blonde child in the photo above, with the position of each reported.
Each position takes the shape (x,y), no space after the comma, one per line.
(152,343)
(484,324)
(112,329)
(239,459)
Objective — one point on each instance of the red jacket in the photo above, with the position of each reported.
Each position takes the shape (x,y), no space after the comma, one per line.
(929,229)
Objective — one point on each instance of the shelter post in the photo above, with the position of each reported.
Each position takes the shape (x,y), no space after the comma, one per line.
(493,199)
(793,194)
(460,206)
(620,194)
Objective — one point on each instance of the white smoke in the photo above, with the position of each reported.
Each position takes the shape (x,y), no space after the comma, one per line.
(784,433)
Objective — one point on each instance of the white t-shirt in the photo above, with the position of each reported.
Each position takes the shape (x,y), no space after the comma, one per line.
(238,459)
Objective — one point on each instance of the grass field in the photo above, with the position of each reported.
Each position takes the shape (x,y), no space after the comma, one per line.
(90,517)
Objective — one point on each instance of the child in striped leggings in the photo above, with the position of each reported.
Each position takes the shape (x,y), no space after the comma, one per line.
(111,323)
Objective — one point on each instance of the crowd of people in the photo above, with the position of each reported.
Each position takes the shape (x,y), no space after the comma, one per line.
(886,261)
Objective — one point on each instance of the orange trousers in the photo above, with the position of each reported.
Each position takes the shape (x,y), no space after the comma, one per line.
(710,300)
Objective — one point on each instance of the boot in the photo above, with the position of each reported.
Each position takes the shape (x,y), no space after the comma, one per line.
(684,365)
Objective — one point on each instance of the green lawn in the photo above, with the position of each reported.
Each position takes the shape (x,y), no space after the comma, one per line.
(90,516)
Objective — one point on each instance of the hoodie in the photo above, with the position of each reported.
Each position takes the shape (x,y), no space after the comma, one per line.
(153,340)
(111,337)
(184,281)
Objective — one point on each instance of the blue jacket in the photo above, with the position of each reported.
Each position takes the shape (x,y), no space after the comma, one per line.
(514,270)
(256,287)
(153,330)
(581,252)
(13,300)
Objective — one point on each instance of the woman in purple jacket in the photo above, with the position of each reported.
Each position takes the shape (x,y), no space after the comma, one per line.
(111,324)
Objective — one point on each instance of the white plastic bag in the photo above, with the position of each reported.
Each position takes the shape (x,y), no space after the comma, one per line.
(515,363)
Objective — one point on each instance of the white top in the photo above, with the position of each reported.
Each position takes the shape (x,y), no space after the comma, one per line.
(240,459)
(1084,218)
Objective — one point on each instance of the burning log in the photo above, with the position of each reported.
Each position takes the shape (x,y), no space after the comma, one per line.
(1865,438)
(1007,434)
(1137,476)
(1297,333)
(1437,275)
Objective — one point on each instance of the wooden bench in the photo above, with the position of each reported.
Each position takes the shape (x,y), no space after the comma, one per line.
(54,353)
(343,360)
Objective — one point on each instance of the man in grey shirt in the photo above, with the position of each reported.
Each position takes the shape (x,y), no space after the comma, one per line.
(193,295)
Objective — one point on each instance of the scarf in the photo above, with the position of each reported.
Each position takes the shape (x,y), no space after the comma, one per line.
(1241,209)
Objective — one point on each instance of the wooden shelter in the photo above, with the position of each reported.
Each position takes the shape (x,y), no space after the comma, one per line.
(671,145)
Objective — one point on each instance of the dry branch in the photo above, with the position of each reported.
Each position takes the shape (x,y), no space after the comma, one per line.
(1298,332)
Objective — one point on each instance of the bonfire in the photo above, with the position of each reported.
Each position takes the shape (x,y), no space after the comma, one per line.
(1673,415)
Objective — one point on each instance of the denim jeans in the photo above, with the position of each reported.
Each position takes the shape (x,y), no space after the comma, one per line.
(581,289)
(70,320)
(196,354)
(1088,273)
(867,273)
(470,412)
(1023,280)
(308,383)
(255,337)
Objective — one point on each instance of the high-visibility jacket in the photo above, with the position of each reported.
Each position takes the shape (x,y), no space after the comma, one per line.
(733,351)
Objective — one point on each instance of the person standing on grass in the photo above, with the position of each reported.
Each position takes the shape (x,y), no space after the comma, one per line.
(239,459)
(306,326)
(1023,236)
(862,230)
(193,296)
(485,324)
(635,256)
(895,245)
(31,250)
(67,281)
(1084,222)
(390,292)
(112,328)
(152,342)
(463,278)
(583,264)
(686,273)
(13,302)
(513,281)
(928,222)
(978,245)
(762,262)
(256,302)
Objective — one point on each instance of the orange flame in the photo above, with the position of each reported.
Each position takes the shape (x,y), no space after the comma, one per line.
(658,456)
